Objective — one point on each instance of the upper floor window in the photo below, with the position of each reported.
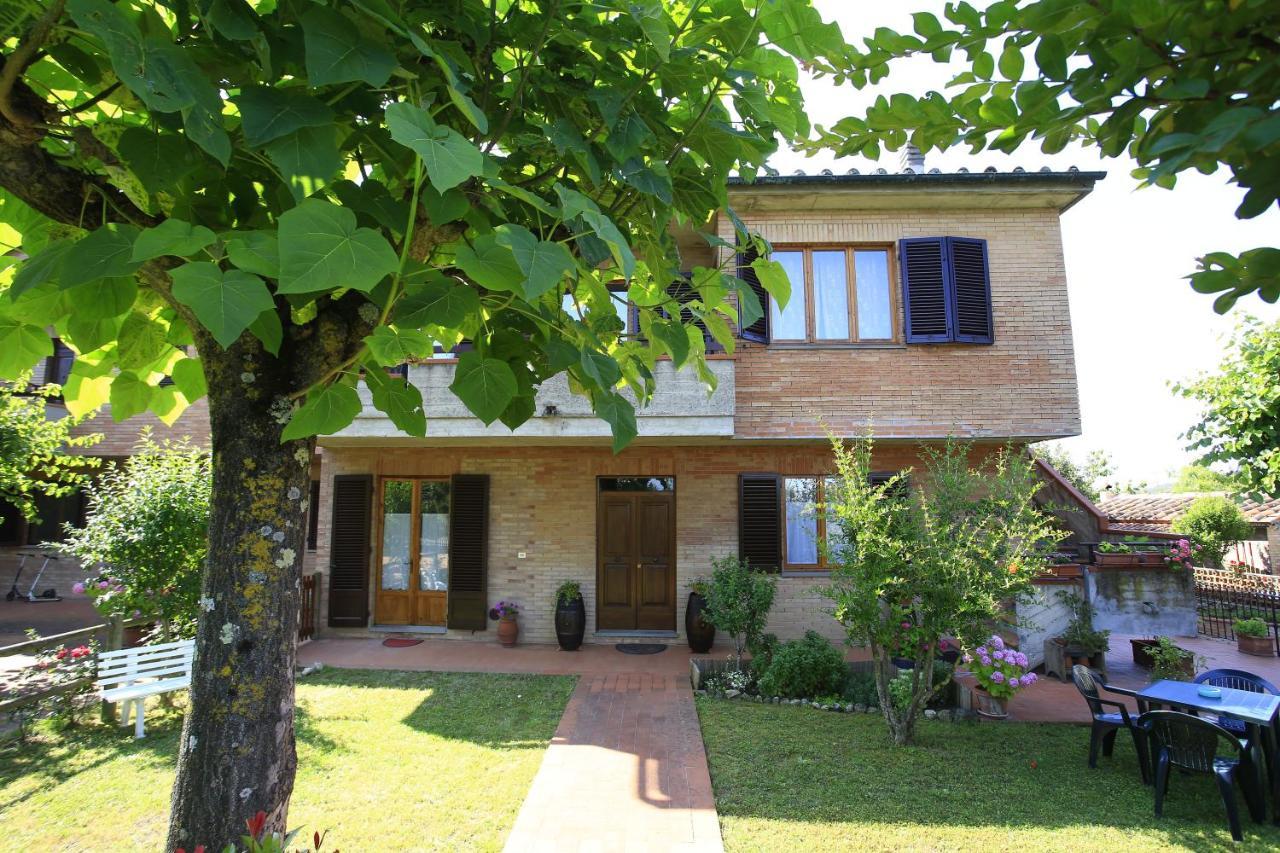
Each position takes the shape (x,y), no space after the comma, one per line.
(838,295)
(57,367)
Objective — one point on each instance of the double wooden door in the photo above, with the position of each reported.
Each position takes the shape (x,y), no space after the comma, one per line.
(636,566)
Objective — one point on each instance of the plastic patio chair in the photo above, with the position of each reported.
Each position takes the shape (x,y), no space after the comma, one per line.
(1106,724)
(1236,679)
(1190,743)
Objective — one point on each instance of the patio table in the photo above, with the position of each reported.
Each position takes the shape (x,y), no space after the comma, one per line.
(1260,712)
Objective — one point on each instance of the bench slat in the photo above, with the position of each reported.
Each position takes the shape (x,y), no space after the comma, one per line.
(142,671)
(143,650)
(120,663)
(151,688)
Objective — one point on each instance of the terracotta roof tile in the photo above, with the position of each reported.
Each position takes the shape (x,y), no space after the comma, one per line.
(1161,509)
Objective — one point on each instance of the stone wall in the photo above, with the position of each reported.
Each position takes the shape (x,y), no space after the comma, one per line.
(1042,617)
(1143,603)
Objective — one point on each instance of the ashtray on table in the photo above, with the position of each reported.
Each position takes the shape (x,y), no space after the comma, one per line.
(1208,691)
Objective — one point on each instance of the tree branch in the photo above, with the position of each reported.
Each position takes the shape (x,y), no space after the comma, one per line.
(23,55)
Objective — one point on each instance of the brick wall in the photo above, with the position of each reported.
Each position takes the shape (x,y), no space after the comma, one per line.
(1024,385)
(543,503)
(119,437)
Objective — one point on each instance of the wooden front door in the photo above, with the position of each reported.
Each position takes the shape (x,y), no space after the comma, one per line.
(412,578)
(636,567)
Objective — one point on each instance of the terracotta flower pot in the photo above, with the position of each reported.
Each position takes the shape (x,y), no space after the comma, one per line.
(508,632)
(1261,646)
(989,706)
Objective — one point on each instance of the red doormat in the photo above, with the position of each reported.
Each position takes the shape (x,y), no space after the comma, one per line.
(399,642)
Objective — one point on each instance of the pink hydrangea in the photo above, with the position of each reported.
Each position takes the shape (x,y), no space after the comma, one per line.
(78,588)
(103,585)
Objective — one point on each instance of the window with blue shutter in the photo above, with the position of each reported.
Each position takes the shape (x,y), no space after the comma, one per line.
(946,290)
(759,330)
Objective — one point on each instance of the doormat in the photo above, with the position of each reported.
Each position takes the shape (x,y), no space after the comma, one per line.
(399,642)
(640,648)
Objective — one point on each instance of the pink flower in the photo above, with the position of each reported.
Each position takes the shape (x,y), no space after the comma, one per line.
(103,585)
(77,588)
(968,658)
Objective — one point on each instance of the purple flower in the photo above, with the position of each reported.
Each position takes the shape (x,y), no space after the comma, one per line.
(997,641)
(103,585)
(1013,682)
(998,655)
(1030,678)
(986,661)
(997,677)
(78,588)
(982,651)
(968,658)
(906,626)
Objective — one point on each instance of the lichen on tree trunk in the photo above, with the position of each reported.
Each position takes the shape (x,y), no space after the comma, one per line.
(237,749)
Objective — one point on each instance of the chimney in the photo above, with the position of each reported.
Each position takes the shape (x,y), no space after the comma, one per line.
(912,159)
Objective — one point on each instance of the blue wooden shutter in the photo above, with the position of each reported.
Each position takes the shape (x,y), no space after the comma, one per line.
(970,290)
(925,289)
(759,330)
(468,551)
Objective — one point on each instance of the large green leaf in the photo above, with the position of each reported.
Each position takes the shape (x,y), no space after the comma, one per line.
(21,346)
(39,268)
(339,52)
(104,253)
(321,248)
(255,251)
(491,264)
(485,385)
(614,410)
(268,329)
(102,300)
(171,237)
(442,301)
(267,113)
(159,160)
(326,411)
(398,400)
(225,302)
(142,342)
(774,279)
(307,159)
(188,375)
(447,155)
(87,334)
(545,264)
(130,395)
(391,346)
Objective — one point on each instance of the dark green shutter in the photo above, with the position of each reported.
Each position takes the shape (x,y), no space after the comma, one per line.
(760,520)
(349,539)
(469,552)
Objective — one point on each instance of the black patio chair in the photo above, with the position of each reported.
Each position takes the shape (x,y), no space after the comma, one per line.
(1190,743)
(1106,724)
(1236,679)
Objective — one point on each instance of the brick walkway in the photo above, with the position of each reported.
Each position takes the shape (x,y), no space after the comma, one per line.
(626,771)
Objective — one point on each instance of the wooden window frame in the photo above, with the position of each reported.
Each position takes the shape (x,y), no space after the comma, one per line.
(851,291)
(820,535)
(415,524)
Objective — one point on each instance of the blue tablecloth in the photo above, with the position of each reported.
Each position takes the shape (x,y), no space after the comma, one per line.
(1260,708)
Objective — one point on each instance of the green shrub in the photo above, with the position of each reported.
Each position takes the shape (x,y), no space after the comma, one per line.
(801,669)
(860,689)
(1216,524)
(568,592)
(1251,627)
(762,653)
(738,602)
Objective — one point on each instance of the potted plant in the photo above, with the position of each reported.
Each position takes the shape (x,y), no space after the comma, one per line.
(1142,651)
(508,629)
(700,633)
(1254,638)
(1172,662)
(1000,673)
(1182,555)
(1115,554)
(571,616)
(1080,639)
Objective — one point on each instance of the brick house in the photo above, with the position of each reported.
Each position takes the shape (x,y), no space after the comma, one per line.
(924,304)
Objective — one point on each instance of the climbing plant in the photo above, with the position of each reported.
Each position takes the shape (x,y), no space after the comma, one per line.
(270,202)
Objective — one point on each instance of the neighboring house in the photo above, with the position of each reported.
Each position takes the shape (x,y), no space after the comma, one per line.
(1155,513)
(925,305)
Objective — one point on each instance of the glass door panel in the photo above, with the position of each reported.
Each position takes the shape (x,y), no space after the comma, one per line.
(397,532)
(433,559)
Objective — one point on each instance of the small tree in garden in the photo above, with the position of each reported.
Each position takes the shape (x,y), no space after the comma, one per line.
(739,601)
(908,570)
(147,532)
(33,447)
(1216,524)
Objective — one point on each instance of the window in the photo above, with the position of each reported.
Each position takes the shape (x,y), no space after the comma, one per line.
(806,525)
(838,295)
(618,303)
(57,367)
(415,536)
(946,286)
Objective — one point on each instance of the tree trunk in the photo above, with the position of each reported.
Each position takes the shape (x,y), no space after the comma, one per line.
(237,753)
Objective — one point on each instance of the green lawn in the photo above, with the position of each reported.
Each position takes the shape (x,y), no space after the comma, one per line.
(387,761)
(791,778)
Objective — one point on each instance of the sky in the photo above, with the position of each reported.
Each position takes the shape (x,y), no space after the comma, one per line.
(1138,324)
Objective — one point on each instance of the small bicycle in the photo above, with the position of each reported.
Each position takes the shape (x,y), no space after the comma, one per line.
(30,596)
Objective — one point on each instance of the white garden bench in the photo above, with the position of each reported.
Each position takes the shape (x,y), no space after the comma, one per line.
(129,676)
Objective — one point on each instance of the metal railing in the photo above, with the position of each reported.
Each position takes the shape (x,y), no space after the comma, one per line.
(1223,596)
